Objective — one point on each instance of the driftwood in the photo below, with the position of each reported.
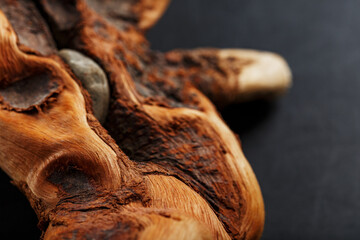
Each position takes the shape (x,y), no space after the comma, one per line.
(174,169)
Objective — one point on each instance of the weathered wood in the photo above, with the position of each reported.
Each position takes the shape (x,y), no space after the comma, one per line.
(176,170)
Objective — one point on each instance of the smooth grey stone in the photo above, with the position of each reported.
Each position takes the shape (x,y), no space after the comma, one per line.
(93,79)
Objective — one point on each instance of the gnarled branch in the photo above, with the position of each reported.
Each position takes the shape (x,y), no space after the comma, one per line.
(176,171)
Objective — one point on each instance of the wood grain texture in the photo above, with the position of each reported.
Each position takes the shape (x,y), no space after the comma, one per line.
(174,169)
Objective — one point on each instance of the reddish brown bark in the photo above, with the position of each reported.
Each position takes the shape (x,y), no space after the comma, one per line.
(176,171)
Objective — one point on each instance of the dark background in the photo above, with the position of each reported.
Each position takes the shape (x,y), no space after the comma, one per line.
(304,148)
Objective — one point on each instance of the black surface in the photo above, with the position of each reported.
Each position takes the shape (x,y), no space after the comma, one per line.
(303,148)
